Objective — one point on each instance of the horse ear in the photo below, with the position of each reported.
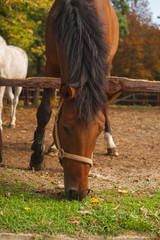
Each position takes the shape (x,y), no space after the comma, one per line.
(67,91)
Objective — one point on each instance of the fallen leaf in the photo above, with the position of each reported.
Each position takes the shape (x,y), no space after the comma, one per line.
(60,186)
(39,190)
(94,200)
(92,221)
(143,211)
(96,207)
(139,193)
(85,212)
(7,194)
(116,207)
(50,174)
(74,221)
(82,208)
(122,191)
(135,181)
(1,213)
(42,220)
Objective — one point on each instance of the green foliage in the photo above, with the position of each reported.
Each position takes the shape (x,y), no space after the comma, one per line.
(122,8)
(22,23)
(123,25)
(121,5)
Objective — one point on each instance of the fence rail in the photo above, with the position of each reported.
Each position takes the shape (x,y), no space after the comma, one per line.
(112,83)
(139,98)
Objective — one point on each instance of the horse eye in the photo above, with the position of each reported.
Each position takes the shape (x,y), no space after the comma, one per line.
(65,129)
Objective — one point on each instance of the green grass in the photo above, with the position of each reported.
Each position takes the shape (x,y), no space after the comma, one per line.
(23,210)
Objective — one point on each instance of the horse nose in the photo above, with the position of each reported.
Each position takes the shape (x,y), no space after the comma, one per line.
(74,195)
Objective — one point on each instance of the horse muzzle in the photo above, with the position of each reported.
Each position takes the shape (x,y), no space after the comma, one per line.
(73,194)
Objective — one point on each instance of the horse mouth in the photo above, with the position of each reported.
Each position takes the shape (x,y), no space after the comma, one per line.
(72,194)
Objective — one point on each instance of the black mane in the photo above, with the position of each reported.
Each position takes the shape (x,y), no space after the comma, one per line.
(78,28)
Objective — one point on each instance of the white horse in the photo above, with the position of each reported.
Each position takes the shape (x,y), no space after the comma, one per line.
(13,64)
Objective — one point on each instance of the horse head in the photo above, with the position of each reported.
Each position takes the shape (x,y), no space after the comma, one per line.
(76,141)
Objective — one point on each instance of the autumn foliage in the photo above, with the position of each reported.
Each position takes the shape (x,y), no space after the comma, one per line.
(138,54)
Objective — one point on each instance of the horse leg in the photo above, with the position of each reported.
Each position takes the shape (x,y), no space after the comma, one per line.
(2,90)
(11,98)
(14,98)
(111,147)
(43,116)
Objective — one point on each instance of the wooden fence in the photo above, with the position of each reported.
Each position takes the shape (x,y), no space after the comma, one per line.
(136,91)
(112,84)
(138,98)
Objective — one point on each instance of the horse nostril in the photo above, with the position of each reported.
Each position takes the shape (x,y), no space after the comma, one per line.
(73,194)
(88,191)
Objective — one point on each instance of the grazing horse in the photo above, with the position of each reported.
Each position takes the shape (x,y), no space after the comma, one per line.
(81,40)
(13,64)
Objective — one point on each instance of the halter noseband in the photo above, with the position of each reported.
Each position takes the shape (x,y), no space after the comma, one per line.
(61,153)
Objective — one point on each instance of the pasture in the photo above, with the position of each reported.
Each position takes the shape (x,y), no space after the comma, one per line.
(135,170)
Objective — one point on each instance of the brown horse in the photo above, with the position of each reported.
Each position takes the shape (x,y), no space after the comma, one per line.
(81,40)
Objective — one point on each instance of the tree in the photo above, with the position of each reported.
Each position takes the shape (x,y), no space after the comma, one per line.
(138,55)
(22,23)
(122,8)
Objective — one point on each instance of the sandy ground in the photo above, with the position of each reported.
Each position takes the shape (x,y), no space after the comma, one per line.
(136,133)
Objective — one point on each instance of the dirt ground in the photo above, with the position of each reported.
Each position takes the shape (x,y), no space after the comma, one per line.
(136,133)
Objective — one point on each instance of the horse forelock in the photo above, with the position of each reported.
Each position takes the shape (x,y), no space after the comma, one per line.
(80,32)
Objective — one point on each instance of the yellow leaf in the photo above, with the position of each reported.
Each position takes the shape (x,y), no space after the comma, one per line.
(122,191)
(27,208)
(94,200)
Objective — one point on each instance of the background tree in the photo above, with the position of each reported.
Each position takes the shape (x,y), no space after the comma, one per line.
(22,23)
(138,54)
(122,8)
